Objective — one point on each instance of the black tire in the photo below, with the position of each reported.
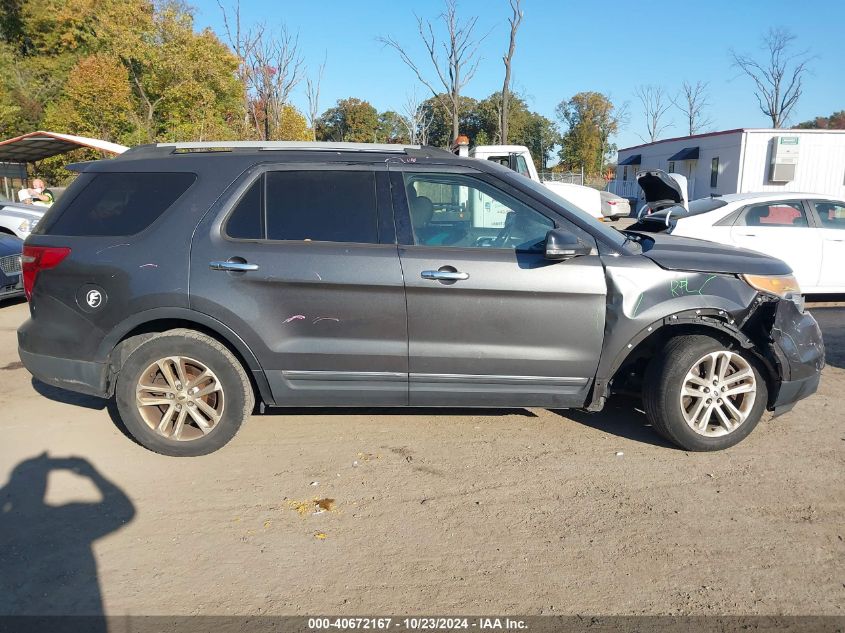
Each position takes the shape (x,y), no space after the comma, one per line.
(664,380)
(236,391)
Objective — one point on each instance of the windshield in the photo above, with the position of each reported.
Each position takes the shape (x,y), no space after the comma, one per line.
(608,234)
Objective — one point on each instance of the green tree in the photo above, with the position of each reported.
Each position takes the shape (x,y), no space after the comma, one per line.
(96,101)
(591,120)
(440,131)
(292,125)
(351,120)
(835,121)
(184,83)
(392,128)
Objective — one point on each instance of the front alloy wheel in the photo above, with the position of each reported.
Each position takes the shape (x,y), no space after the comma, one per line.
(718,393)
(703,394)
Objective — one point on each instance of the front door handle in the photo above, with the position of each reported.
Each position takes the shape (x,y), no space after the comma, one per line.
(233,266)
(444,275)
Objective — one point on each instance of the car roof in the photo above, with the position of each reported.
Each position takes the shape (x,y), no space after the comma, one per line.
(195,155)
(769,195)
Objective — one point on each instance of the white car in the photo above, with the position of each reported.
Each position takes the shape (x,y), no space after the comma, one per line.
(806,230)
(19,219)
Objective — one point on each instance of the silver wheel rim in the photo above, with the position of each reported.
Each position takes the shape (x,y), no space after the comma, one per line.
(179,398)
(718,393)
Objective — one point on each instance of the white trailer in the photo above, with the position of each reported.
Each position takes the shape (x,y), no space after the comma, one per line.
(741,161)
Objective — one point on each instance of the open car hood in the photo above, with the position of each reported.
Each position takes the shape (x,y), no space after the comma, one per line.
(661,189)
(684,253)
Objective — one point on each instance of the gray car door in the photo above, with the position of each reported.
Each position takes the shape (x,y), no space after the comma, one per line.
(491,322)
(301,262)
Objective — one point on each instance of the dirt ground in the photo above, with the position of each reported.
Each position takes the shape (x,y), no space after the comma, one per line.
(423,511)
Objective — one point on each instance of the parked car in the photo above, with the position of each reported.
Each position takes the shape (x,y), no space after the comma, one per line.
(19,219)
(11,284)
(805,230)
(188,281)
(661,190)
(614,207)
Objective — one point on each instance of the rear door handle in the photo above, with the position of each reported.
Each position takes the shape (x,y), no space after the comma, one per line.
(444,275)
(238,267)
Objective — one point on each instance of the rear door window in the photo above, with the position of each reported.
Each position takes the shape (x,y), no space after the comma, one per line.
(119,203)
(774,214)
(831,213)
(322,205)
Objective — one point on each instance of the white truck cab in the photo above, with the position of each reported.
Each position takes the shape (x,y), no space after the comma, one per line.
(518,158)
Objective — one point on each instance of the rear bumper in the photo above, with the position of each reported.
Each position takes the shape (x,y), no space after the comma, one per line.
(74,375)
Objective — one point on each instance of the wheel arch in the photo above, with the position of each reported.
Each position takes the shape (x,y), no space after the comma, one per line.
(126,336)
(714,323)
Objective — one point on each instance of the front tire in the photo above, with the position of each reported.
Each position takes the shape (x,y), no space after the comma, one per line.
(703,396)
(182,393)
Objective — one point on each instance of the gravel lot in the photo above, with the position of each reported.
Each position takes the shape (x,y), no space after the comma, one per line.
(447,511)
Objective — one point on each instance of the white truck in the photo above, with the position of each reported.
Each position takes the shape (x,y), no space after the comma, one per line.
(518,158)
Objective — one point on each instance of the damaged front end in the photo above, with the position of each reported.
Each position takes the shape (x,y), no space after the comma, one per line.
(648,305)
(793,342)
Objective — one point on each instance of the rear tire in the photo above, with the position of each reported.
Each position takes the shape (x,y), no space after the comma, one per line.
(182,393)
(703,396)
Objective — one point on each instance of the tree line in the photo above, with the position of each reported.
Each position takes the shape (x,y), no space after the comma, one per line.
(137,71)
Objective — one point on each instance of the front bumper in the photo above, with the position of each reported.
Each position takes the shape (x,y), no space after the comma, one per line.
(799,350)
(11,285)
(86,377)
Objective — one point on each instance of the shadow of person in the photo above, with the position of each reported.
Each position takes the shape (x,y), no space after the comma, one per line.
(47,564)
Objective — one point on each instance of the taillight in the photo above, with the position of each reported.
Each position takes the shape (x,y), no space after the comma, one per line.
(38,258)
(611,202)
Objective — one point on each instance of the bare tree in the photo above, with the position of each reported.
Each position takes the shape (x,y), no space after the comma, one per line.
(515,20)
(312,94)
(779,78)
(459,64)
(241,42)
(692,101)
(656,104)
(275,68)
(416,120)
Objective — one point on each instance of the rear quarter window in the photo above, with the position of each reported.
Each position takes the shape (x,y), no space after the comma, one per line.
(117,203)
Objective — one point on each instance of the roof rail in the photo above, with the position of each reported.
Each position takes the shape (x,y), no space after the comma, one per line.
(288,145)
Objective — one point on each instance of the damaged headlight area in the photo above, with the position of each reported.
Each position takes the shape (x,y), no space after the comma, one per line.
(782,286)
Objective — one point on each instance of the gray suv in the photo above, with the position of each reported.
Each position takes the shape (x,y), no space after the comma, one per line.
(194,283)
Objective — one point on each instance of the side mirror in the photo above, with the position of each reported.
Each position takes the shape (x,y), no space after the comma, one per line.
(561,245)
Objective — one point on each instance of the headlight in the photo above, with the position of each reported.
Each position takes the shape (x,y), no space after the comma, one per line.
(25,226)
(779,285)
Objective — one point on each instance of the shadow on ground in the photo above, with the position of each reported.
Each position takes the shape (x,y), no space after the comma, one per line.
(8,303)
(57,394)
(620,417)
(47,564)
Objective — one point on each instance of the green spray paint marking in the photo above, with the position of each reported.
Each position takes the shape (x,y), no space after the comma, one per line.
(637,307)
(680,287)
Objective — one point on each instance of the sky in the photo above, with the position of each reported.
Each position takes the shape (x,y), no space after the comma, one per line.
(565,47)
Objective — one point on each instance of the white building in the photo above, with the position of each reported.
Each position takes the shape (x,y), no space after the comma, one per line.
(740,161)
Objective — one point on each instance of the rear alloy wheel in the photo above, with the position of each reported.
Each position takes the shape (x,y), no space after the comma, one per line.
(183,393)
(702,395)
(180,398)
